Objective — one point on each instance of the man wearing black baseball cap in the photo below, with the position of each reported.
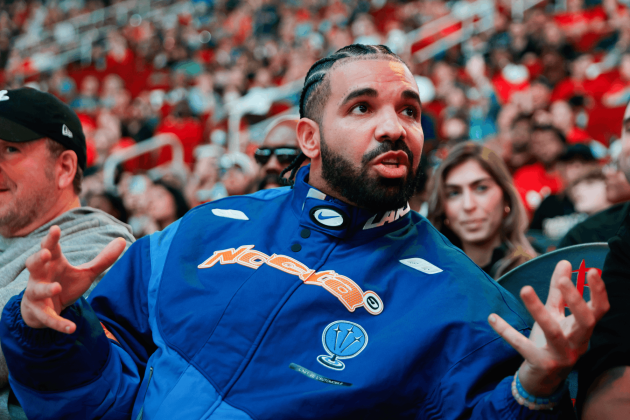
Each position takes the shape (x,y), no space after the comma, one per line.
(42,158)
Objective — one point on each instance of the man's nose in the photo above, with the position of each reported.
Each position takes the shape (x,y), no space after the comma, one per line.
(273,165)
(389,126)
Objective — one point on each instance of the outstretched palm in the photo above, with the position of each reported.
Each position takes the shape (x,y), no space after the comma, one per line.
(54,284)
(556,341)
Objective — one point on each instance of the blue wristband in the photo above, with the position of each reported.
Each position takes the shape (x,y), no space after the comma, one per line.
(532,402)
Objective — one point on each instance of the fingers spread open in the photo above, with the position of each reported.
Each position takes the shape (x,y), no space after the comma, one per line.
(514,338)
(106,257)
(51,241)
(580,310)
(549,325)
(599,297)
(39,291)
(554,299)
(49,318)
(36,264)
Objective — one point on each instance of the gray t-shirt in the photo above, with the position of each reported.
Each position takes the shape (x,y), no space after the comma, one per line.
(84,233)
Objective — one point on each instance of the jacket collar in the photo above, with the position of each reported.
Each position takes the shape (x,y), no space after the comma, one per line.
(326,214)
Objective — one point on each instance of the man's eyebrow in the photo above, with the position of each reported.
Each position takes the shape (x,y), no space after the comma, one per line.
(410,94)
(359,92)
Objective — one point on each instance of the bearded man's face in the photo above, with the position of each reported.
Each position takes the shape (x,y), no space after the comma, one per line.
(364,189)
(370,135)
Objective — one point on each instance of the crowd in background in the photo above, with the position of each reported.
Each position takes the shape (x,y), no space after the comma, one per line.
(545,93)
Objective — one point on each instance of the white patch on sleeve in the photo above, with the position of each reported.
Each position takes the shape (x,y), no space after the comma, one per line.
(230,214)
(421,265)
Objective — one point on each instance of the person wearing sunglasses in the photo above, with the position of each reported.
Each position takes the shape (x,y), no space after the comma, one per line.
(278,150)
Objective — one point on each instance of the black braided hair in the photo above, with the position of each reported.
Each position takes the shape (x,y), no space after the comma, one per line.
(293,167)
(317,89)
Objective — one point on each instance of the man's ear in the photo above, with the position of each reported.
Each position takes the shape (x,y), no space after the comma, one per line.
(308,137)
(65,168)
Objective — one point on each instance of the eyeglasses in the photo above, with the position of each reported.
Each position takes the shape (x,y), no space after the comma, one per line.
(285,155)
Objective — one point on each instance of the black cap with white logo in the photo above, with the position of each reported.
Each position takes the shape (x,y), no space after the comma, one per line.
(27,114)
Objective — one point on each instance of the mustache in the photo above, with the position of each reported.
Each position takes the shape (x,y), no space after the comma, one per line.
(388,146)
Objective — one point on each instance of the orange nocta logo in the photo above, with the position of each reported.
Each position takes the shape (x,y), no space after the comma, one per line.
(343,288)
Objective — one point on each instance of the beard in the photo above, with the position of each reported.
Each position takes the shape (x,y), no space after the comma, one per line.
(25,205)
(374,192)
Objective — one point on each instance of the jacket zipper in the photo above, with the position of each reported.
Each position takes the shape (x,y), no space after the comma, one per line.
(145,393)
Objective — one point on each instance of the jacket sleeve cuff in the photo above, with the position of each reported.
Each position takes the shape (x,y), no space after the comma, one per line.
(511,409)
(47,360)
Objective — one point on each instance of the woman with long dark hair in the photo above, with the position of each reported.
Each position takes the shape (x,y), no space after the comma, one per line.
(475,205)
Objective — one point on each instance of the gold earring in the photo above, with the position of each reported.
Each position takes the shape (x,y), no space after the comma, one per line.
(507,209)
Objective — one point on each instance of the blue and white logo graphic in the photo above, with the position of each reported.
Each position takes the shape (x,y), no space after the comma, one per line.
(342,340)
(328,217)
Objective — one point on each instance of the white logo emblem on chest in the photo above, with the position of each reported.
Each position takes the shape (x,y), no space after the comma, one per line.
(421,265)
(329,217)
(3,95)
(230,214)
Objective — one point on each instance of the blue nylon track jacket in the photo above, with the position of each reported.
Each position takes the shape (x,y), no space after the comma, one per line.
(285,304)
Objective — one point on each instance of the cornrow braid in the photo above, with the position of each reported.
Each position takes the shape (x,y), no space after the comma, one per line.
(318,71)
(317,88)
(293,167)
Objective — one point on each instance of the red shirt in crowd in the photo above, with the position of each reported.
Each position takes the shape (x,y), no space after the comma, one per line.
(188,130)
(582,25)
(577,135)
(533,183)
(569,87)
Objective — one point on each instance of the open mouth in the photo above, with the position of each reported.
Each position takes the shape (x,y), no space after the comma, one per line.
(394,164)
(393,159)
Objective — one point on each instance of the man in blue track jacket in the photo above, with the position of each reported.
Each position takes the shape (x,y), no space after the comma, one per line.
(330,299)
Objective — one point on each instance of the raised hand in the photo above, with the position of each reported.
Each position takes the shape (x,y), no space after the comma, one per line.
(54,284)
(556,341)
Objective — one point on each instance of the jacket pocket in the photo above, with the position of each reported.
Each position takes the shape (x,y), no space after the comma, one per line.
(145,393)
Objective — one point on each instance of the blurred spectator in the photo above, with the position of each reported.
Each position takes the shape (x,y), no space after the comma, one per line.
(475,205)
(165,204)
(617,185)
(204,183)
(582,26)
(619,92)
(239,173)
(202,98)
(536,181)
(602,226)
(588,193)
(108,203)
(483,103)
(88,101)
(521,134)
(455,129)
(279,148)
(578,83)
(186,127)
(563,119)
(557,213)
